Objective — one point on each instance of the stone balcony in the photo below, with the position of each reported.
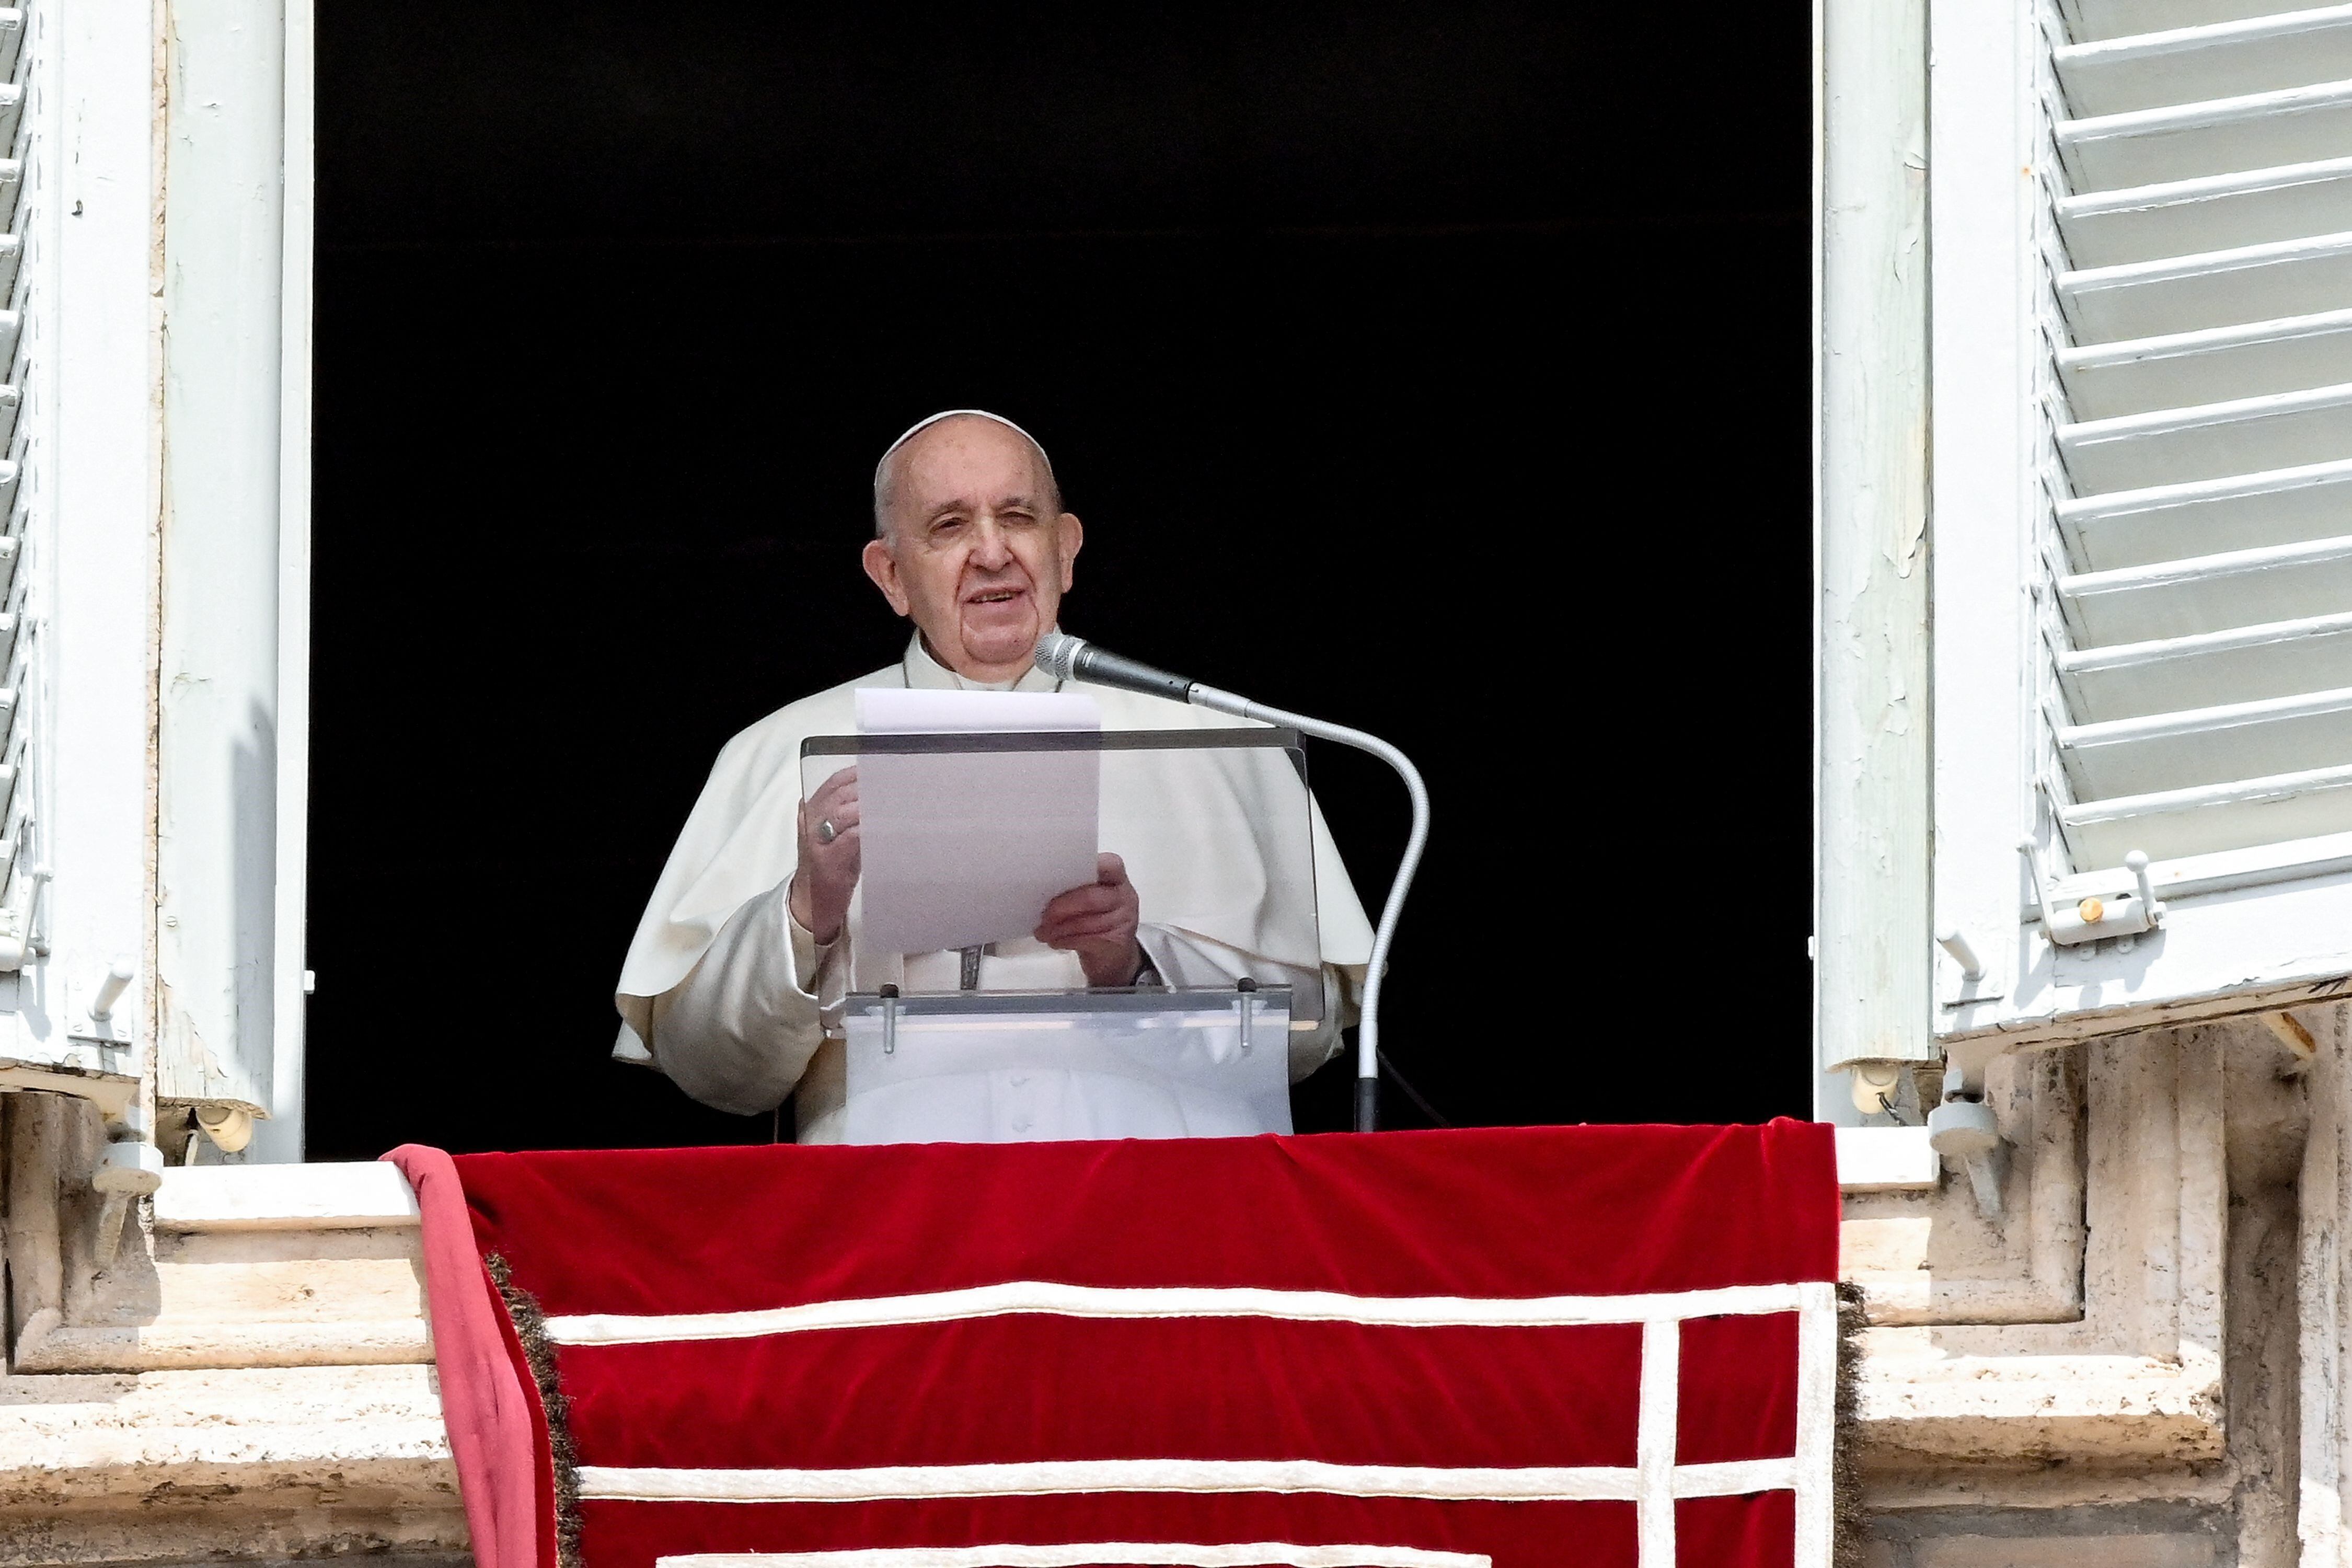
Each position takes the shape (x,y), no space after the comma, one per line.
(251,1375)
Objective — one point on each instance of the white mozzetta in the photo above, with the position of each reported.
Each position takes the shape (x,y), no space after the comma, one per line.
(284,1197)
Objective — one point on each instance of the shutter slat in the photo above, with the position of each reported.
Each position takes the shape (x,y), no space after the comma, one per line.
(2241,815)
(2218,212)
(2208,593)
(12,250)
(2209,441)
(2207,290)
(2276,658)
(2139,376)
(2090,20)
(2244,511)
(2219,136)
(2249,55)
(2201,746)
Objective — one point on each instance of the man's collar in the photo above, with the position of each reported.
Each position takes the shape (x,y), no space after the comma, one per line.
(925,673)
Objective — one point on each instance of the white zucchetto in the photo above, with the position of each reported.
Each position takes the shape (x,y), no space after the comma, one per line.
(919,426)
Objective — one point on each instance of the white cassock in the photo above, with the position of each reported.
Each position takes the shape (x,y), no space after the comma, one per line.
(727,994)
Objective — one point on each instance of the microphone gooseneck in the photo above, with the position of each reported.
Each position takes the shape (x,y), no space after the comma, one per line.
(1066,658)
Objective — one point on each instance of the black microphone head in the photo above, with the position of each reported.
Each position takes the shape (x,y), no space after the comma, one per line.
(1058,655)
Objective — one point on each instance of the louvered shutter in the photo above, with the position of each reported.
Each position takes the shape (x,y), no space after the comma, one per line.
(2143,416)
(21,644)
(75,562)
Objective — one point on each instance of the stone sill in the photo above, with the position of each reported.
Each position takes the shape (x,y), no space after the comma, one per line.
(1886,1160)
(353,1196)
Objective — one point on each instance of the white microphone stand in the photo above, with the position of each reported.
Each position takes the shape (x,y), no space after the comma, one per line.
(1368,1028)
(1066,658)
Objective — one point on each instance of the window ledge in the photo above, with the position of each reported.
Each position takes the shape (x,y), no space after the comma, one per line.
(365,1195)
(369,1193)
(1886,1160)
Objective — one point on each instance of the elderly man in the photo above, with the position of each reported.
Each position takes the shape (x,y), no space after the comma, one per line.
(734,983)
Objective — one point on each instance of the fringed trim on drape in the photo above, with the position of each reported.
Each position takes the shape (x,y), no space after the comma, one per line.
(1850,1536)
(531,1328)
(1850,1539)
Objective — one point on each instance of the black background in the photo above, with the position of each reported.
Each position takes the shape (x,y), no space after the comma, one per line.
(1441,369)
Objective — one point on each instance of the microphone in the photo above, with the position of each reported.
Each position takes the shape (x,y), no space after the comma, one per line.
(1066,658)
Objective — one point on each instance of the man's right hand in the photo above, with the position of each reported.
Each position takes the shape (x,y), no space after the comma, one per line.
(828,872)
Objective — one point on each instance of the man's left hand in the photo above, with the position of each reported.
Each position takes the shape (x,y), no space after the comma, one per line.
(1098,922)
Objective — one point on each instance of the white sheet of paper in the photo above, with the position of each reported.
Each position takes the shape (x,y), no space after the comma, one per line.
(964,848)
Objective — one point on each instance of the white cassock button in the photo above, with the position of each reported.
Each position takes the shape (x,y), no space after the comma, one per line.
(1019,1080)
(1021,1124)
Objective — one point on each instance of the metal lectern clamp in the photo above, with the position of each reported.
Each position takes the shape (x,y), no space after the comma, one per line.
(1247,990)
(889,1020)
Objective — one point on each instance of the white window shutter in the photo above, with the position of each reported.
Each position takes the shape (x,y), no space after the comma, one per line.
(2142,443)
(1870,935)
(231,723)
(26,710)
(75,548)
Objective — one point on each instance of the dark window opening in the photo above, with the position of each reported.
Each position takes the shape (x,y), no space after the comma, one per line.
(1440,369)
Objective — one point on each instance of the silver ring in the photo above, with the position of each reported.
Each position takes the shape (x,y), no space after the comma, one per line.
(826,832)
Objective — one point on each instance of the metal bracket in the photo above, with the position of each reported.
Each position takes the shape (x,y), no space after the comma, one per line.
(1246,987)
(2095,919)
(889,1020)
(1967,977)
(131,1169)
(100,1026)
(1963,1130)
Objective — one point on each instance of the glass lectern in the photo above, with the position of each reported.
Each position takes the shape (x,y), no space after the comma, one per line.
(959,1026)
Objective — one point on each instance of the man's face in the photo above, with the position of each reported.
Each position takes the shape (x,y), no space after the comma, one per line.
(977,553)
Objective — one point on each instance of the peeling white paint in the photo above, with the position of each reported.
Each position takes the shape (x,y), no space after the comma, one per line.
(1870,914)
